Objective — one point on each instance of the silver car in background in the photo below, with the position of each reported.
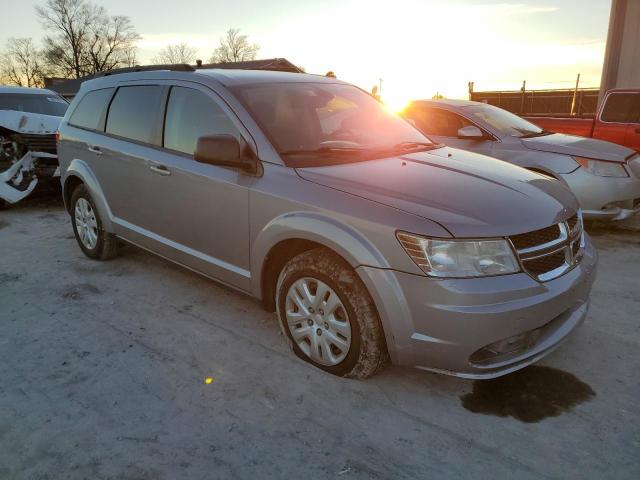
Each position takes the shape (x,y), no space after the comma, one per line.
(604,176)
(369,241)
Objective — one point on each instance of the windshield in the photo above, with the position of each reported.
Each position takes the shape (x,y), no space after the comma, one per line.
(505,122)
(328,120)
(34,103)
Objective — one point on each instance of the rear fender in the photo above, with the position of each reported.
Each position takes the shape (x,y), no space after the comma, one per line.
(80,170)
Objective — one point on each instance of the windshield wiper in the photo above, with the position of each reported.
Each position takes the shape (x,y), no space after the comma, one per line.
(324,151)
(536,134)
(415,146)
(402,147)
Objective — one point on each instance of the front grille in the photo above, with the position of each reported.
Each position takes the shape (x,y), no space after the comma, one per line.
(575,248)
(39,143)
(573,222)
(541,265)
(539,237)
(551,251)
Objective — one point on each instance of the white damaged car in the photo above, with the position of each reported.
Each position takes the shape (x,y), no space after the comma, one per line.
(29,119)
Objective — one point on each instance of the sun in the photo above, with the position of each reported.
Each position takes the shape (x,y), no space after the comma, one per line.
(395,103)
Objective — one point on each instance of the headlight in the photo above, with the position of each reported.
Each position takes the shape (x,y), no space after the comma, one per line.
(459,258)
(602,168)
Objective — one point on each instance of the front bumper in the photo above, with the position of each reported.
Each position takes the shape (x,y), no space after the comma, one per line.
(439,325)
(605,198)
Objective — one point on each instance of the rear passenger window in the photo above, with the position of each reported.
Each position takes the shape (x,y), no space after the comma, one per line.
(90,111)
(620,108)
(190,115)
(135,113)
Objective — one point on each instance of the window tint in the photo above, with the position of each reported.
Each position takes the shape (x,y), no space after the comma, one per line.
(34,103)
(90,111)
(134,113)
(434,121)
(621,108)
(190,115)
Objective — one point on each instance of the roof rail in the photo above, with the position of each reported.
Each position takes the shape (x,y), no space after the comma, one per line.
(178,67)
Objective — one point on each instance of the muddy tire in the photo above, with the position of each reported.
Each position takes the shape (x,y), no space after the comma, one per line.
(93,240)
(328,316)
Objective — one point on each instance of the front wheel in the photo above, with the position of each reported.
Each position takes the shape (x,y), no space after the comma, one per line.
(328,316)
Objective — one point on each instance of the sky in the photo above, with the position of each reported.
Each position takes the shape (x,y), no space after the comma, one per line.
(417,47)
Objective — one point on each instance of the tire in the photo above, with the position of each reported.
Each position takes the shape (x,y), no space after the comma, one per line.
(354,322)
(99,245)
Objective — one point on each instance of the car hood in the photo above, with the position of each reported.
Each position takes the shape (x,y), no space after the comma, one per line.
(31,123)
(470,195)
(578,146)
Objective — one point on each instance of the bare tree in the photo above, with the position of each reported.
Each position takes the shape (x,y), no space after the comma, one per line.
(234,48)
(110,42)
(21,63)
(178,53)
(84,38)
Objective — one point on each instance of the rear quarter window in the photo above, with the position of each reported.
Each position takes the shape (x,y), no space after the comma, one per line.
(90,111)
(135,113)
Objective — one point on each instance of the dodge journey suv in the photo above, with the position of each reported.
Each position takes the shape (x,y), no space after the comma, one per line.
(371,242)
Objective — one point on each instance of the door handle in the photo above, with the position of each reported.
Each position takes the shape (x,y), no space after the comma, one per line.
(160,170)
(94,149)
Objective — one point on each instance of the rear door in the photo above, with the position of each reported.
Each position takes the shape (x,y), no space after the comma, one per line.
(133,136)
(442,126)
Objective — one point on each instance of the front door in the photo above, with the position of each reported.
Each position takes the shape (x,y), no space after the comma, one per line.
(200,211)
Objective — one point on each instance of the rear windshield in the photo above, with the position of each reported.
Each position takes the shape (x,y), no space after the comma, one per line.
(311,118)
(34,103)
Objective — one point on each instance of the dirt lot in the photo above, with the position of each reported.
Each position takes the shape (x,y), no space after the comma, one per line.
(102,369)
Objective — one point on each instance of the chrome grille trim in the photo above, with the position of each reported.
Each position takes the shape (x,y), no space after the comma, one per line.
(571,233)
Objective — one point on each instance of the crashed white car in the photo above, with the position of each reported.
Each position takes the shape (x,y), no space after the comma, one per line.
(29,119)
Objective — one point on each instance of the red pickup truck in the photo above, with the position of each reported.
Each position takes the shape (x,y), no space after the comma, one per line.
(617,120)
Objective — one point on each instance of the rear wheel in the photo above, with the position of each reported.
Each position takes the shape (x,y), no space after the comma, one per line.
(87,227)
(328,316)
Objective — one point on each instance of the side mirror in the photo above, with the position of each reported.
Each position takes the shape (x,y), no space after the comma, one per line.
(222,150)
(471,132)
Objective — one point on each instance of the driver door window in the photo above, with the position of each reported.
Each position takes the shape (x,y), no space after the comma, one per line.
(190,115)
(437,122)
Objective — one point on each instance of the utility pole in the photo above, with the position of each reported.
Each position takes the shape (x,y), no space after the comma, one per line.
(575,95)
(379,86)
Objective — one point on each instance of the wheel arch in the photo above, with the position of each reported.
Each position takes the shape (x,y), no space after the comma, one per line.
(79,173)
(291,234)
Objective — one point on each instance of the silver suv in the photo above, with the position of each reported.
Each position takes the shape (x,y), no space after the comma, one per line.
(370,241)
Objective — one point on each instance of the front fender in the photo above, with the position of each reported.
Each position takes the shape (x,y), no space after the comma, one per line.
(328,231)
(80,170)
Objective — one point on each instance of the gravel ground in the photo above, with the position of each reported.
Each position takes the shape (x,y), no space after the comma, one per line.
(103,368)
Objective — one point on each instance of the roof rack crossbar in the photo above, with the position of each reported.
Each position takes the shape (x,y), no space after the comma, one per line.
(178,67)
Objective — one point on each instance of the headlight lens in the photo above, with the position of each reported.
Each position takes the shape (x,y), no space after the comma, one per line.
(459,258)
(602,168)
